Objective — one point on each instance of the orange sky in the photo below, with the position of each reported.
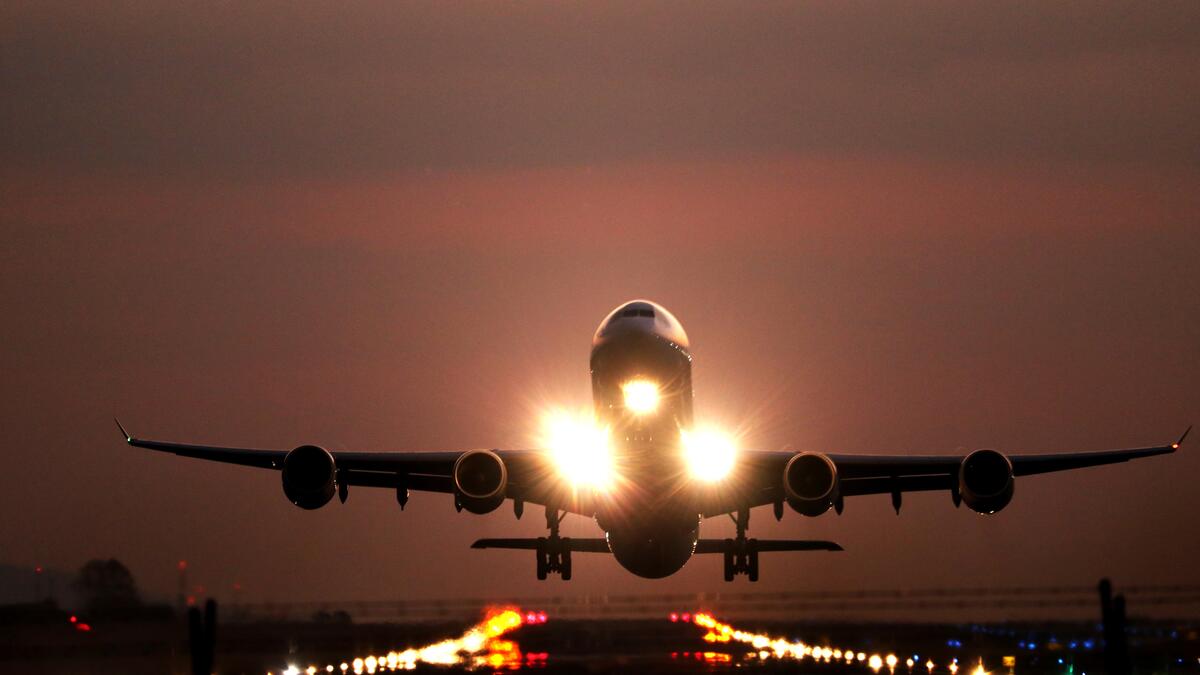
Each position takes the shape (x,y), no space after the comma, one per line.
(248,229)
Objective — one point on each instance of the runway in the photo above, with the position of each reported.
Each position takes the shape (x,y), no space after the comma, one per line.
(797,632)
(514,639)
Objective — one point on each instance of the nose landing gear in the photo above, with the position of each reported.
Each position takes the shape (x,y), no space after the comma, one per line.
(741,554)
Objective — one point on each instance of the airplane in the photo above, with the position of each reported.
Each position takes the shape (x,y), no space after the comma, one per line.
(643,471)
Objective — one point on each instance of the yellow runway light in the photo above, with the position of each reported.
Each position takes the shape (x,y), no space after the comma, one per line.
(765,647)
(480,642)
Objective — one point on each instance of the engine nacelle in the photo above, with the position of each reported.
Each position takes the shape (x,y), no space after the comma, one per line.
(480,481)
(309,477)
(810,483)
(985,481)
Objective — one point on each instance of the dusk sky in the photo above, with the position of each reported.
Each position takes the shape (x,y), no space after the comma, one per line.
(908,228)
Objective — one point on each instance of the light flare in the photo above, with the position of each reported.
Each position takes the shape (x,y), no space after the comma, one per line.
(765,647)
(479,645)
(641,396)
(710,454)
(580,449)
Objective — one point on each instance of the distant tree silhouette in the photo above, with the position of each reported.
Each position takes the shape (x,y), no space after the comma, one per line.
(107,586)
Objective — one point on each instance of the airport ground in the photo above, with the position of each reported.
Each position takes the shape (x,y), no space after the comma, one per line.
(258,645)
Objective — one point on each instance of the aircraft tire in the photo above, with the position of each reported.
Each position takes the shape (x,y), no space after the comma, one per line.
(542,562)
(753,564)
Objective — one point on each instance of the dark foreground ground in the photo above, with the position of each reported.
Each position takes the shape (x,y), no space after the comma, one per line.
(641,646)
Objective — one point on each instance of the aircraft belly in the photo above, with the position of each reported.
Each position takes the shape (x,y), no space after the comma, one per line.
(653,552)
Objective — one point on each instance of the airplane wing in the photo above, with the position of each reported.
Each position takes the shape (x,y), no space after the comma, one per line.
(425,471)
(759,478)
(762,475)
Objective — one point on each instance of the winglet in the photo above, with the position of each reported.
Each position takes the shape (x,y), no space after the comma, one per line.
(128,438)
(1176,444)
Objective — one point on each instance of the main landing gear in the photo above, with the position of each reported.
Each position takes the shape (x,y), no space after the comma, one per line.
(741,554)
(553,552)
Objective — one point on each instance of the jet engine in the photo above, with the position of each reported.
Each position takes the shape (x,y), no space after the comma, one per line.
(985,481)
(480,481)
(810,483)
(309,477)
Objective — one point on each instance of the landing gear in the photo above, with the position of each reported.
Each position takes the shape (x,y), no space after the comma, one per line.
(741,557)
(553,552)
(741,554)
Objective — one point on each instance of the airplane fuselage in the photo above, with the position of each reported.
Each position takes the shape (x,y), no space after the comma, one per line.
(650,526)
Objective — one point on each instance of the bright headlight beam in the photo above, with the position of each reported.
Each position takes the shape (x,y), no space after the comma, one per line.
(641,396)
(710,455)
(580,450)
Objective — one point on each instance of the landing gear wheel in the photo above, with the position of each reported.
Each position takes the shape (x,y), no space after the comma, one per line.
(542,559)
(752,563)
(741,554)
(553,552)
(564,568)
(730,570)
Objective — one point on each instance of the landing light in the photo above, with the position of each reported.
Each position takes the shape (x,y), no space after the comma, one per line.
(710,454)
(580,449)
(641,396)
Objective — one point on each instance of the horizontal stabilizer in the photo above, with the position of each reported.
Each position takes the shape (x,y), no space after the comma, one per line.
(766,545)
(570,543)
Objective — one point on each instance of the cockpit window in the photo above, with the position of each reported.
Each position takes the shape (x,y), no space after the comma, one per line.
(634,311)
(661,323)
